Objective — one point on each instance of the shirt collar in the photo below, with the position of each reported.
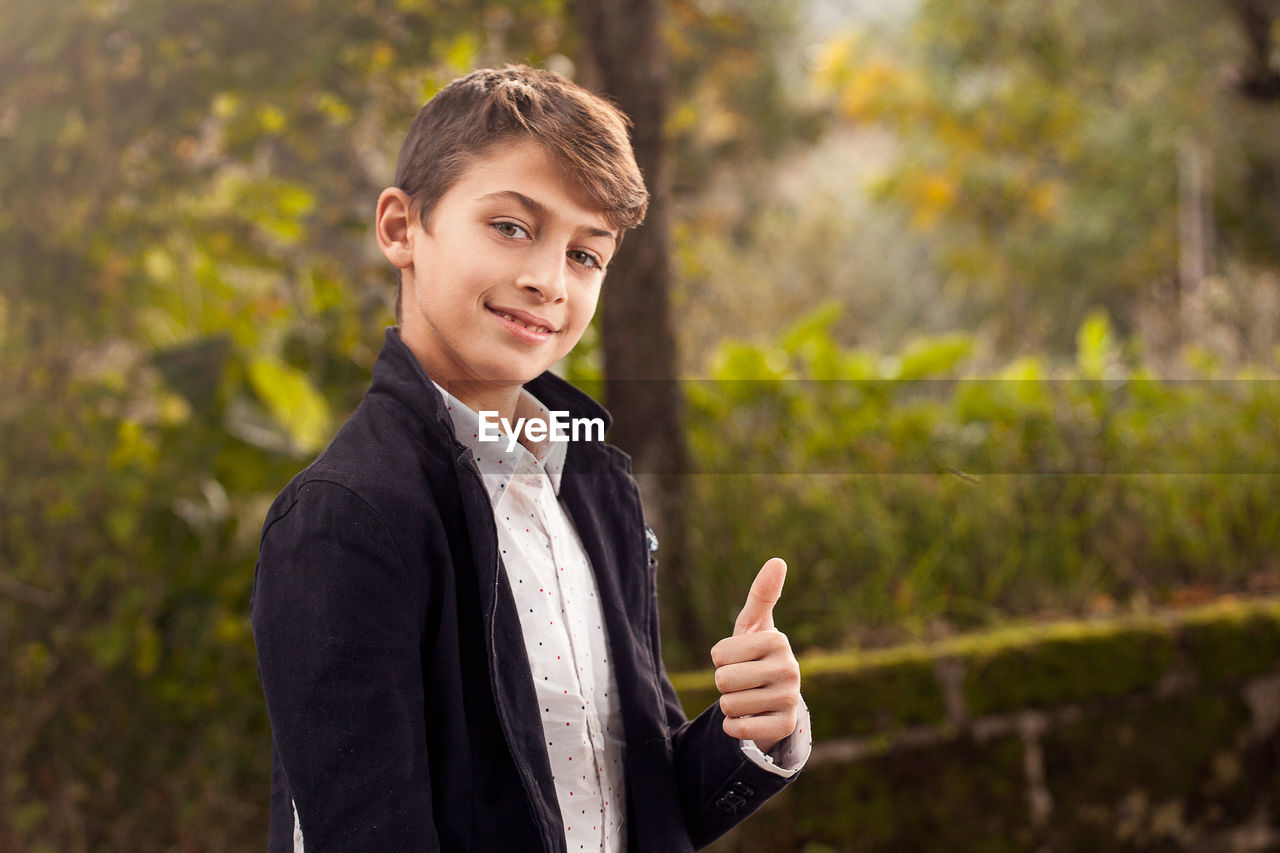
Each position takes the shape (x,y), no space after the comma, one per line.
(497,464)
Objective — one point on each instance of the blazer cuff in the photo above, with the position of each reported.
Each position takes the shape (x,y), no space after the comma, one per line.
(789,755)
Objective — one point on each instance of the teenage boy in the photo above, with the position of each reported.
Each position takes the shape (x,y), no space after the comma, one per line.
(457,638)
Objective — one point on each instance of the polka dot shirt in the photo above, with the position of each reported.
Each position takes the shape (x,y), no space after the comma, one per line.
(563,626)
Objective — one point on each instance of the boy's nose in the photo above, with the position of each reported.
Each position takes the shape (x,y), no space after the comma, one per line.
(544,275)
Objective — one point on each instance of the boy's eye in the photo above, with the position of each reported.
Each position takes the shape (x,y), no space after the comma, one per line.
(586,259)
(510,229)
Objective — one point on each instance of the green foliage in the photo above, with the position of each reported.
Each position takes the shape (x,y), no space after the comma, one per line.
(1072,665)
(188,302)
(1237,644)
(911,499)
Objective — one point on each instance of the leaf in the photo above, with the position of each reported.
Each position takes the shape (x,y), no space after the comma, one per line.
(293,402)
(108,644)
(1095,345)
(934,357)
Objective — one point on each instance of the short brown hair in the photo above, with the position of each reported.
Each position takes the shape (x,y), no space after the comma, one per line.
(586,134)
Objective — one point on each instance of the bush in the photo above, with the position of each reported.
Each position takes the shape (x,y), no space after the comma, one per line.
(911,496)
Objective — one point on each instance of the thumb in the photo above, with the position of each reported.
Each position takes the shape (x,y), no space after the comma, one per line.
(766,589)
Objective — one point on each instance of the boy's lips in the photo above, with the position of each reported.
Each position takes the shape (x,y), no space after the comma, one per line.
(532,326)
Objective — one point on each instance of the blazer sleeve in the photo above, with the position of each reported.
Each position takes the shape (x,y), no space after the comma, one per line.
(719,785)
(338,634)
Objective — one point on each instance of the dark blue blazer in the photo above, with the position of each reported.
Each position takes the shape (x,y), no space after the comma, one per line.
(390,652)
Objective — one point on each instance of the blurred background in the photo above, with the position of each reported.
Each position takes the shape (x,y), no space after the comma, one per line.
(969,309)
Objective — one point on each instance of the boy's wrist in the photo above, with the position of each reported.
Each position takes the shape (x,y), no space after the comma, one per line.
(787,756)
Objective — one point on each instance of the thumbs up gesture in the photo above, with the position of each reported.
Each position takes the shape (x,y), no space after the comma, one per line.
(756,673)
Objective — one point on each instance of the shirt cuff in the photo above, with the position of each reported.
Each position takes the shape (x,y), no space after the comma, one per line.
(789,755)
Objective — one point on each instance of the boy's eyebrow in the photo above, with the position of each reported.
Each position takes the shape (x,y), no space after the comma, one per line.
(534,206)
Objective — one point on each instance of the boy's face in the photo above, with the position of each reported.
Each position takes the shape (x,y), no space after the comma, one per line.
(504,279)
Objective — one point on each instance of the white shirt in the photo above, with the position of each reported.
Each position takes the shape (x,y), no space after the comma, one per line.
(563,625)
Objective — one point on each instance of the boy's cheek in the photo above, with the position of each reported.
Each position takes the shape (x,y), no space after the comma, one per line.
(578,330)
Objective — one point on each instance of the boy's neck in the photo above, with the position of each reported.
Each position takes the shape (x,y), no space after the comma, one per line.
(483,397)
(476,394)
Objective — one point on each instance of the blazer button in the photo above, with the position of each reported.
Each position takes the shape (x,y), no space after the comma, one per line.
(725,806)
(738,802)
(743,789)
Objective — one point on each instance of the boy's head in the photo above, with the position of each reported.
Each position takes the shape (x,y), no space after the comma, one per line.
(584,134)
(513,191)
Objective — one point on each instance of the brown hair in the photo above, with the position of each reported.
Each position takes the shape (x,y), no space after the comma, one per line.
(586,134)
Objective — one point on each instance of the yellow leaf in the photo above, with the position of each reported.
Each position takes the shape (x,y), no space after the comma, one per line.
(462,54)
(832,63)
(134,448)
(1045,198)
(271,118)
(225,105)
(932,195)
(293,401)
(863,96)
(382,56)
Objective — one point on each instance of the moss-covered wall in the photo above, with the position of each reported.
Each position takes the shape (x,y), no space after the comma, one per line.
(1154,733)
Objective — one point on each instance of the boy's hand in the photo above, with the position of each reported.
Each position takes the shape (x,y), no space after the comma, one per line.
(756,673)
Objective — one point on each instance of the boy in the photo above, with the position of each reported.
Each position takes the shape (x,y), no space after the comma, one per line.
(457,637)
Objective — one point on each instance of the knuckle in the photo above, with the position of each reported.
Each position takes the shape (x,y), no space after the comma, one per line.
(778,645)
(786,672)
(722,680)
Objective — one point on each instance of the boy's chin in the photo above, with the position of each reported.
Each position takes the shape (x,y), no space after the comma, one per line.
(514,376)
(525,370)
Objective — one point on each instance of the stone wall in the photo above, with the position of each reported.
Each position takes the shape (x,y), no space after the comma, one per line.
(1152,733)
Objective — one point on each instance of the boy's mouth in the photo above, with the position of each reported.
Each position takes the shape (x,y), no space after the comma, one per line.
(533,324)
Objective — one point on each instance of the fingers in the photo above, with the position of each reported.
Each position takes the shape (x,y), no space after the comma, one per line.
(750,647)
(761,701)
(766,589)
(759,681)
(765,730)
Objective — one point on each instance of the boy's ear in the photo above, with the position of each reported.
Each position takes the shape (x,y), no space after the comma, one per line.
(391,223)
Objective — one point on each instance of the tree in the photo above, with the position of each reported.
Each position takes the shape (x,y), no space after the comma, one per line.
(1259,73)
(685,74)
(1040,149)
(625,58)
